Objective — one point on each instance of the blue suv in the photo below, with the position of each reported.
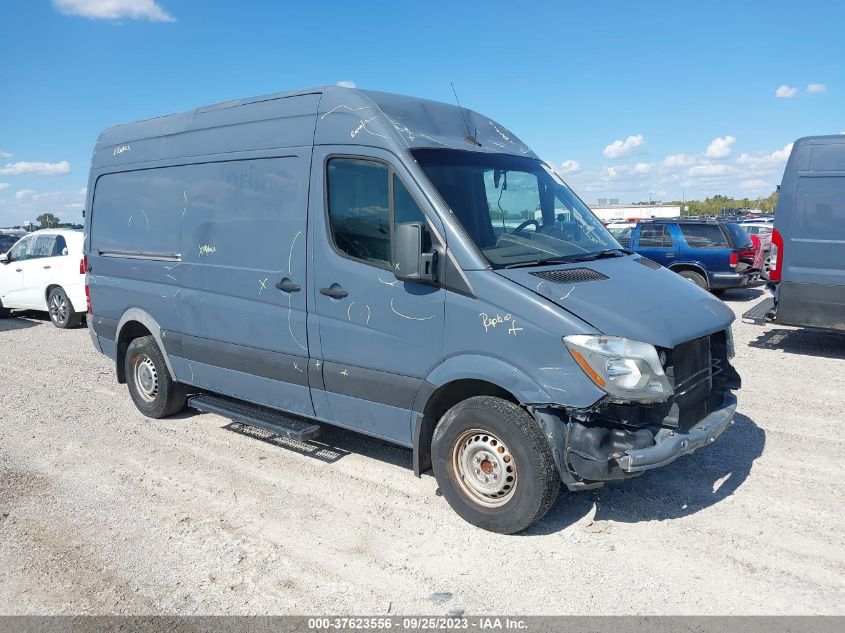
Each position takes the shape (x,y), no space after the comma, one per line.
(699,250)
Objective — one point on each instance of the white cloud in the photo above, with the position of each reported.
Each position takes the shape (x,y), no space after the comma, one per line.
(720,147)
(4,185)
(708,169)
(755,183)
(786,92)
(35,169)
(65,204)
(816,88)
(114,9)
(642,168)
(678,160)
(618,149)
(766,162)
(24,193)
(569,167)
(4,154)
(347,84)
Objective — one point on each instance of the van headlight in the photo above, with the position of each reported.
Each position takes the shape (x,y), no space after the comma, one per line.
(625,369)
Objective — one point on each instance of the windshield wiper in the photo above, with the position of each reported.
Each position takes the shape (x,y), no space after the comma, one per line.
(568,259)
(538,262)
(609,252)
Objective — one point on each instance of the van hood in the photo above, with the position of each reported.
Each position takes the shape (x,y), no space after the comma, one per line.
(637,300)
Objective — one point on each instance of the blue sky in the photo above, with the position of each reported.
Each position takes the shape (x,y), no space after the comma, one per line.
(627,100)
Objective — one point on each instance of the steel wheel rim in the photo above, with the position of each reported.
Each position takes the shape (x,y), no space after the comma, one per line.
(484,468)
(58,308)
(146,378)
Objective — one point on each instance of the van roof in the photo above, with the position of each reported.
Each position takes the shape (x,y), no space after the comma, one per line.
(328,115)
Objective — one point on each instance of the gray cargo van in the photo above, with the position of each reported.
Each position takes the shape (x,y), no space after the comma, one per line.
(399,267)
(808,240)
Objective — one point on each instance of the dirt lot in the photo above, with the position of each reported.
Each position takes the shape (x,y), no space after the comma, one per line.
(105,511)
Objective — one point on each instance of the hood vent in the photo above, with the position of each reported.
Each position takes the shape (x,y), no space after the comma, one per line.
(570,275)
(645,261)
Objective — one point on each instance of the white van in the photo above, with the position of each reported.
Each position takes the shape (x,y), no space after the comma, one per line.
(45,271)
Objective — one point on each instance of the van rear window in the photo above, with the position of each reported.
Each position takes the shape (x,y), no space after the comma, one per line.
(821,208)
(704,236)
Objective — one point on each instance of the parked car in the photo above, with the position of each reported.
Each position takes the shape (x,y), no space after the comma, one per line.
(622,232)
(760,233)
(808,274)
(6,242)
(340,256)
(701,251)
(749,257)
(44,271)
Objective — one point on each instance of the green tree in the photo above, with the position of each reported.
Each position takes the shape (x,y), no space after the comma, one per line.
(47,220)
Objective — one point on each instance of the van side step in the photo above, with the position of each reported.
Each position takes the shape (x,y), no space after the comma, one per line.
(260,417)
(762,313)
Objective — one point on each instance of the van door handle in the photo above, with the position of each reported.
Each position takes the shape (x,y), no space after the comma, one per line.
(286,285)
(335,292)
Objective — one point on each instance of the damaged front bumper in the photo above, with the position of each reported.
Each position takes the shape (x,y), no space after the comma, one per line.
(670,444)
(588,454)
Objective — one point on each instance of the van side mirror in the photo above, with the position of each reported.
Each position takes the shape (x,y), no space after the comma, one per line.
(409,261)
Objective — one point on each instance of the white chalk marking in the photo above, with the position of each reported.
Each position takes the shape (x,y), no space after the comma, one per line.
(405,316)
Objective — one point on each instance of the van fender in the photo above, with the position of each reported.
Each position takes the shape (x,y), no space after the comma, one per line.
(492,371)
(143,317)
(488,369)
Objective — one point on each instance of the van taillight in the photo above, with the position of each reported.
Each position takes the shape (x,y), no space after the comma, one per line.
(776,254)
(734,259)
(83,264)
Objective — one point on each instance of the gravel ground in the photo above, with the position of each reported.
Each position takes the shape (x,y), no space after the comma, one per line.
(103,511)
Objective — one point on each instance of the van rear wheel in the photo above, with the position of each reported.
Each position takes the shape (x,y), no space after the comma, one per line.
(494,465)
(151,386)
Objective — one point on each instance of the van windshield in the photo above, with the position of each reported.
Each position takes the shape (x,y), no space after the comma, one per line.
(515,209)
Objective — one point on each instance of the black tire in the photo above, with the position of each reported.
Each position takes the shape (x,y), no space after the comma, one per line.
(152,388)
(4,312)
(510,436)
(61,311)
(718,291)
(694,277)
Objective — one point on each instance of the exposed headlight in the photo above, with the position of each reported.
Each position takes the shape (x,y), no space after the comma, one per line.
(625,369)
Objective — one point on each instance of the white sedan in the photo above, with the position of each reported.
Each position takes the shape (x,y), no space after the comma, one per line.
(45,271)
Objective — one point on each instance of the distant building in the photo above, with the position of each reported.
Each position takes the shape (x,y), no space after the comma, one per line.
(609,211)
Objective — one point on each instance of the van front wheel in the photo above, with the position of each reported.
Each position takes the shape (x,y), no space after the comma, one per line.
(494,465)
(151,386)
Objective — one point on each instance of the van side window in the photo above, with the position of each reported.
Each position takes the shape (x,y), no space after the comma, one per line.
(655,235)
(704,236)
(404,208)
(359,209)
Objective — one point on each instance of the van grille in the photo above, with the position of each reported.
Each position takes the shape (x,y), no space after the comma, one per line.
(570,275)
(693,369)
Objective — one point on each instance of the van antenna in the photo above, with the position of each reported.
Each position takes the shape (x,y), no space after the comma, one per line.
(472,138)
